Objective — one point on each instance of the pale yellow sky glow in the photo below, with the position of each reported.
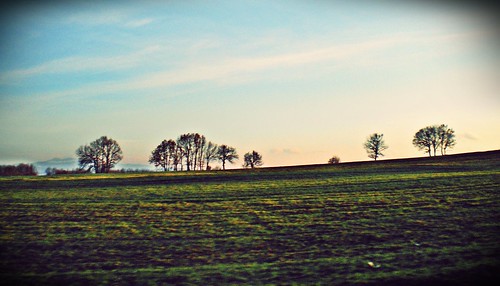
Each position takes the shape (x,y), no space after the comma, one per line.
(298,81)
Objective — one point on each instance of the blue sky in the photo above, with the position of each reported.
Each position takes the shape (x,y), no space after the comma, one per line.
(298,81)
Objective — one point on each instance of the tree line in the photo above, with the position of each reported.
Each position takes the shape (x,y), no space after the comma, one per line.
(192,151)
(189,152)
(19,170)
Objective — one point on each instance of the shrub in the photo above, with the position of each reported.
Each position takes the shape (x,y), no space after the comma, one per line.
(334,160)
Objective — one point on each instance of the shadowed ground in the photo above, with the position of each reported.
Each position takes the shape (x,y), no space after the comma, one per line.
(414,221)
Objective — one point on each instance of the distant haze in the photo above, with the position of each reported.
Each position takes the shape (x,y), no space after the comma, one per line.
(66,164)
(72,163)
(297,81)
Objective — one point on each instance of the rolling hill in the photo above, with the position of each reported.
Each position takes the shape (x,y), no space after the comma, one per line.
(422,221)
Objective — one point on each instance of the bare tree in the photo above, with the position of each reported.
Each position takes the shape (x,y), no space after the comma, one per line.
(198,143)
(210,154)
(201,151)
(101,155)
(226,153)
(177,158)
(252,159)
(186,144)
(427,139)
(375,145)
(446,138)
(163,155)
(192,149)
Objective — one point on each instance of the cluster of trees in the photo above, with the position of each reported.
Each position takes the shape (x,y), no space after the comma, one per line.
(193,151)
(429,139)
(435,137)
(190,152)
(19,170)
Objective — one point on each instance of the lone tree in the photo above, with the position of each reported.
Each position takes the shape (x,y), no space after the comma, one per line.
(101,155)
(164,154)
(252,159)
(334,160)
(374,146)
(226,153)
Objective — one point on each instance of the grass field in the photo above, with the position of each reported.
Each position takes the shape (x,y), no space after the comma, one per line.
(426,221)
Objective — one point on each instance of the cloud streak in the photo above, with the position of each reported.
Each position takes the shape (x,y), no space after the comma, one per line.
(468,136)
(140,22)
(79,64)
(227,70)
(236,67)
(93,18)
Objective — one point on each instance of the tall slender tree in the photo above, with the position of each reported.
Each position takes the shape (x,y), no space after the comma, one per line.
(186,144)
(211,150)
(177,158)
(226,153)
(446,138)
(198,142)
(375,145)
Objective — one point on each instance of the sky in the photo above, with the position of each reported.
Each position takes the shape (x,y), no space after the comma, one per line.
(297,81)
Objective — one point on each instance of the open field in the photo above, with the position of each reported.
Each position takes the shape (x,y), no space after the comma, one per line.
(419,221)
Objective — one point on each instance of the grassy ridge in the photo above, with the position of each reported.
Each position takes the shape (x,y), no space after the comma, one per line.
(429,220)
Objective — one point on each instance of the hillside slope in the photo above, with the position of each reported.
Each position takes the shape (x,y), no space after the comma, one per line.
(425,221)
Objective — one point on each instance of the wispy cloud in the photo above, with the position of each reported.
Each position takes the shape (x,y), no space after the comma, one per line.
(140,22)
(103,17)
(226,70)
(467,136)
(79,64)
(120,17)
(286,151)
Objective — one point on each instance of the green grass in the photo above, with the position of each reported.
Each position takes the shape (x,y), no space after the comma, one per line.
(424,221)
